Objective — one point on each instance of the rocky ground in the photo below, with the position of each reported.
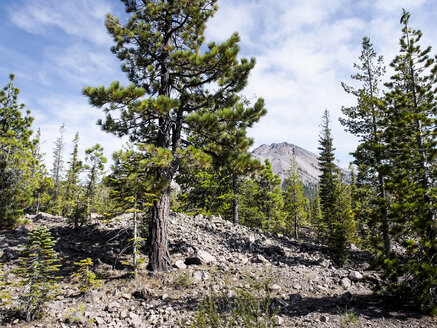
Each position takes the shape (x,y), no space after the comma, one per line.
(211,256)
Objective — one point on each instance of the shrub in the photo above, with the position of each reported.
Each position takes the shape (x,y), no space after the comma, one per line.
(183,280)
(75,316)
(37,268)
(87,278)
(348,318)
(4,293)
(248,307)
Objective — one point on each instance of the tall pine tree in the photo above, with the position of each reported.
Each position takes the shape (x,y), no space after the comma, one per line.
(411,135)
(57,171)
(71,204)
(94,165)
(294,202)
(366,121)
(216,188)
(15,155)
(337,227)
(179,89)
(328,178)
(262,203)
(41,183)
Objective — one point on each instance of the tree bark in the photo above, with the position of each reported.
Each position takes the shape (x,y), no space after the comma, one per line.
(381,179)
(159,258)
(296,231)
(37,202)
(423,167)
(235,200)
(135,239)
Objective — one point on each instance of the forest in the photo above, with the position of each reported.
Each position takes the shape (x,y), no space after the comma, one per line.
(187,122)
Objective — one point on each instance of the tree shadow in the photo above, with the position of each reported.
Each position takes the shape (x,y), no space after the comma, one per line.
(106,247)
(368,306)
(179,246)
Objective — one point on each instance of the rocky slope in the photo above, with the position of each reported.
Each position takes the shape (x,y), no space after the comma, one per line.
(210,255)
(280,155)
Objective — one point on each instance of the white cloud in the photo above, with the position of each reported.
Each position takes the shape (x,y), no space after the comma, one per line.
(82,64)
(79,18)
(304,49)
(395,6)
(79,117)
(230,19)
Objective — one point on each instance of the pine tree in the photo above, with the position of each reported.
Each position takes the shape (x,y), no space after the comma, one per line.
(249,213)
(337,226)
(342,230)
(328,178)
(58,171)
(5,295)
(238,167)
(315,216)
(132,189)
(230,155)
(41,183)
(72,206)
(85,276)
(411,135)
(215,189)
(38,267)
(366,121)
(15,155)
(94,164)
(294,202)
(204,191)
(168,101)
(262,203)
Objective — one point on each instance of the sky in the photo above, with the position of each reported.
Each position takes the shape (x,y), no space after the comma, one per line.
(303,50)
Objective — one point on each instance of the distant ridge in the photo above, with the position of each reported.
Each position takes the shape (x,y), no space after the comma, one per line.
(280,154)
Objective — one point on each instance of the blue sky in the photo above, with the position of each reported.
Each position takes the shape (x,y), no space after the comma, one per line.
(304,49)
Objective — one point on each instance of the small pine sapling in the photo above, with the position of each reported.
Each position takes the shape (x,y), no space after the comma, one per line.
(5,296)
(86,277)
(38,267)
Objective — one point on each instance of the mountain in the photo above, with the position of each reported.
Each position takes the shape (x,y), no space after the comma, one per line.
(280,154)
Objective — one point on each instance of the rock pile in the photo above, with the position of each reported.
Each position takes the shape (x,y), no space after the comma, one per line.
(209,255)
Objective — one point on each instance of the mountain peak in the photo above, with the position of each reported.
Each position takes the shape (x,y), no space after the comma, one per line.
(280,155)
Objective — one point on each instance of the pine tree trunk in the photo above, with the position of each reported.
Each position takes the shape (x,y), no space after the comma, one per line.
(385,222)
(377,164)
(296,232)
(38,199)
(135,242)
(159,258)
(423,167)
(235,200)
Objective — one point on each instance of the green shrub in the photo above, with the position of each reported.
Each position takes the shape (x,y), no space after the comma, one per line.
(5,296)
(412,276)
(86,277)
(183,280)
(75,315)
(23,221)
(37,268)
(348,318)
(247,307)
